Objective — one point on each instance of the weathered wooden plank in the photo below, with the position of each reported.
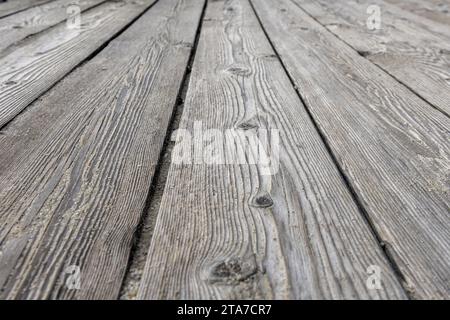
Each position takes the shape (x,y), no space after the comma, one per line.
(21,25)
(436,10)
(414,21)
(393,148)
(85,157)
(230,231)
(414,50)
(12,6)
(35,65)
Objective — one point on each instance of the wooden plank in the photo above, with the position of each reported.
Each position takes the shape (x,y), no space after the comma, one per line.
(436,10)
(21,25)
(413,21)
(421,62)
(232,230)
(76,189)
(12,6)
(393,148)
(38,63)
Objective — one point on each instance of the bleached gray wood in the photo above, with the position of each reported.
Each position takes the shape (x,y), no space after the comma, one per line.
(229,231)
(392,146)
(23,24)
(413,49)
(11,6)
(35,65)
(436,10)
(84,158)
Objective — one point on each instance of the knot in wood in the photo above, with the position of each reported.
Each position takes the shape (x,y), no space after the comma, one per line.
(263,201)
(247,126)
(270,56)
(239,70)
(232,271)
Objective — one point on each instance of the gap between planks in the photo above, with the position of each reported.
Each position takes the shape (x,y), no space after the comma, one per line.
(23,84)
(392,49)
(134,70)
(224,242)
(382,136)
(22,25)
(144,232)
(355,196)
(9,7)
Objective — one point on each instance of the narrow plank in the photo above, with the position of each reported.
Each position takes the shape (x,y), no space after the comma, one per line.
(35,65)
(414,50)
(311,243)
(436,10)
(393,148)
(75,191)
(23,24)
(11,6)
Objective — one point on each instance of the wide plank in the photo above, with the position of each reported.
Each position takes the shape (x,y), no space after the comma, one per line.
(76,188)
(392,146)
(36,64)
(26,23)
(12,6)
(421,62)
(237,231)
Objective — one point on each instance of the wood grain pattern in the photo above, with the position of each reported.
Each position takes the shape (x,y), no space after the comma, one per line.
(392,146)
(77,186)
(31,68)
(23,24)
(230,231)
(415,50)
(436,10)
(11,6)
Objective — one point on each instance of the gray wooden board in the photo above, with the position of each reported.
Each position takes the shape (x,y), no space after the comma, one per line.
(413,49)
(217,235)
(436,10)
(84,159)
(391,145)
(36,64)
(11,6)
(23,24)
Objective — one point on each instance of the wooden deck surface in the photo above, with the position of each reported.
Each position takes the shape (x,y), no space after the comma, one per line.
(353,201)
